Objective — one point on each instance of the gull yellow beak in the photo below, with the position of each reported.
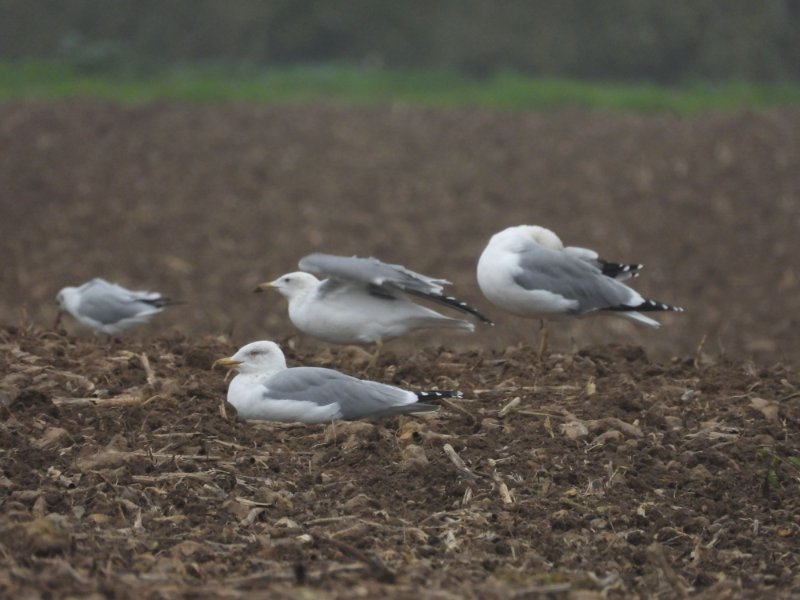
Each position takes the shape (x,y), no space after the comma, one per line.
(264,287)
(226,362)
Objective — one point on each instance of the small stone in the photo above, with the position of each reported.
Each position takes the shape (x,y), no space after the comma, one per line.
(574,430)
(413,456)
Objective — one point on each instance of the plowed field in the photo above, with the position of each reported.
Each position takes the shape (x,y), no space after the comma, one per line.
(627,462)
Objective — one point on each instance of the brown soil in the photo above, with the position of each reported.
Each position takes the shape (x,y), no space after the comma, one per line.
(604,470)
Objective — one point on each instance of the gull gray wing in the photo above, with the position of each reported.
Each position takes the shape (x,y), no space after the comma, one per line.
(584,253)
(371,271)
(99,286)
(357,399)
(621,271)
(109,303)
(331,286)
(383,279)
(571,277)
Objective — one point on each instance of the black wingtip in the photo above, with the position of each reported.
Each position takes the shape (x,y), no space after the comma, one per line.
(460,304)
(439,394)
(649,306)
(616,270)
(659,306)
(162,302)
(452,302)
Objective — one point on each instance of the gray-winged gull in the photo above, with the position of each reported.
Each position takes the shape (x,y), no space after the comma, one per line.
(264,389)
(527,271)
(109,308)
(364,300)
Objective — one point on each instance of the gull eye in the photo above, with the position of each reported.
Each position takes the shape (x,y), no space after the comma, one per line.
(287,279)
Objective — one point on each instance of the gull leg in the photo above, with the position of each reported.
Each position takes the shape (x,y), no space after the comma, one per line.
(373,362)
(544,334)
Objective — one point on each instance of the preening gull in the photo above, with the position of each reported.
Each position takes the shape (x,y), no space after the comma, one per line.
(363,300)
(527,271)
(109,308)
(264,389)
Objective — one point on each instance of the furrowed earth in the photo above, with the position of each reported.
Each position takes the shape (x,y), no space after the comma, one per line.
(624,462)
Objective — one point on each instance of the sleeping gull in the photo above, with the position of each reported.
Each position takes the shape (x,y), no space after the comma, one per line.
(264,389)
(364,300)
(527,271)
(109,308)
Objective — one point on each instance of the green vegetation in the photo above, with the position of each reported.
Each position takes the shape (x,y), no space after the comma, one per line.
(350,85)
(777,467)
(660,41)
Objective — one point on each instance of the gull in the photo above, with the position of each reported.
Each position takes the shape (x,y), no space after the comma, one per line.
(364,301)
(527,271)
(264,389)
(109,308)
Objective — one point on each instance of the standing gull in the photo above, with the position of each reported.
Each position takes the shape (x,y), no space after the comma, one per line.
(264,389)
(527,271)
(109,308)
(363,300)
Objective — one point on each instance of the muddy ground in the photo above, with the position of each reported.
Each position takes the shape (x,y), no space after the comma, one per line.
(599,473)
(627,462)
(203,203)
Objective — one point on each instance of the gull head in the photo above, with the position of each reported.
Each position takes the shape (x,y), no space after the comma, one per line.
(513,238)
(291,285)
(256,358)
(544,237)
(66,298)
